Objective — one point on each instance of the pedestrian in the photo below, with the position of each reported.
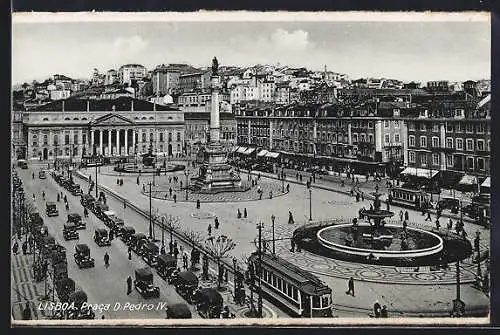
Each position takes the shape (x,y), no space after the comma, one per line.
(450,224)
(180,184)
(270,194)
(198,204)
(27,311)
(239,214)
(209,229)
(111,235)
(124,204)
(175,198)
(176,252)
(428,218)
(357,196)
(407,216)
(137,180)
(377,309)
(290,218)
(292,242)
(129,285)
(106,260)
(169,180)
(58,197)
(143,188)
(245,212)
(226,275)
(129,253)
(438,225)
(43,195)
(350,286)
(401,215)
(287,188)
(383,312)
(362,196)
(33,175)
(15,248)
(170,191)
(388,205)
(33,196)
(216,223)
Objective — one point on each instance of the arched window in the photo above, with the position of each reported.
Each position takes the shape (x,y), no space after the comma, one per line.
(75,118)
(151,118)
(170,137)
(45,119)
(56,139)
(151,136)
(84,119)
(178,136)
(136,118)
(143,118)
(169,118)
(66,139)
(161,137)
(143,137)
(67,119)
(45,139)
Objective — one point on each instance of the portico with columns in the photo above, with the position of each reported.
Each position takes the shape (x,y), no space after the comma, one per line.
(113,135)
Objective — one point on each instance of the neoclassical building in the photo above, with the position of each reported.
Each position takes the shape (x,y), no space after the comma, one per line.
(122,127)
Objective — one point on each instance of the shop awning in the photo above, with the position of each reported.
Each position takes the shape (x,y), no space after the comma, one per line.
(234,149)
(272,154)
(249,151)
(241,150)
(486,183)
(420,172)
(468,180)
(262,153)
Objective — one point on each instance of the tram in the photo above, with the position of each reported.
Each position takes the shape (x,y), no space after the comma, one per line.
(297,290)
(407,197)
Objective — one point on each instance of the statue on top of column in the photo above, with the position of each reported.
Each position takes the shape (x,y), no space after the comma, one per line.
(215,66)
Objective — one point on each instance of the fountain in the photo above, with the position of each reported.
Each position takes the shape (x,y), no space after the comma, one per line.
(373,239)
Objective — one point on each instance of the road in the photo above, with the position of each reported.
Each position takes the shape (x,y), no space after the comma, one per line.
(103,286)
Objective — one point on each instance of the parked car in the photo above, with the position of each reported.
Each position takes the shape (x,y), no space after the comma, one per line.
(449,203)
(143,283)
(126,233)
(150,253)
(101,237)
(178,311)
(77,220)
(166,264)
(82,256)
(42,174)
(87,200)
(209,303)
(185,284)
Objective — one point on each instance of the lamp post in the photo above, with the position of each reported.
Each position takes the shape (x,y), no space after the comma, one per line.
(260,225)
(186,173)
(282,178)
(274,240)
(310,205)
(150,214)
(163,232)
(95,163)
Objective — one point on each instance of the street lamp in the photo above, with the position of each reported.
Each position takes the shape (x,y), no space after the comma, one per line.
(310,205)
(260,225)
(282,178)
(150,214)
(274,240)
(186,173)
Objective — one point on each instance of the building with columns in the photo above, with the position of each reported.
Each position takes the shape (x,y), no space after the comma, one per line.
(114,128)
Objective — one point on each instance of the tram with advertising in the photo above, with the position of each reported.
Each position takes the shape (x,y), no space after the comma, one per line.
(298,291)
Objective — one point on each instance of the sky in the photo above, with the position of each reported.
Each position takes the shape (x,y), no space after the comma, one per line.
(418,51)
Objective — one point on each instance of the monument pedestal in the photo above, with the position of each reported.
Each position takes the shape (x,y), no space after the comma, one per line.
(215,175)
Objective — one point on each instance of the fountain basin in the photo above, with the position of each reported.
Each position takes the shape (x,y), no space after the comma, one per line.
(332,237)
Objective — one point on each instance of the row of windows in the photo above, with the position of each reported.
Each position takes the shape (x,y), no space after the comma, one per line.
(457,127)
(85,119)
(436,160)
(459,142)
(278,283)
(161,137)
(56,139)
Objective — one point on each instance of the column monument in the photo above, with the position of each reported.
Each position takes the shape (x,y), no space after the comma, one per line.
(215,175)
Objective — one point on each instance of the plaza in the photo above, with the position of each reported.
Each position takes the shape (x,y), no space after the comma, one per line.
(400,288)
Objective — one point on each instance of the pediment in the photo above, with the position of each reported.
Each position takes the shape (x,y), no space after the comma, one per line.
(112,119)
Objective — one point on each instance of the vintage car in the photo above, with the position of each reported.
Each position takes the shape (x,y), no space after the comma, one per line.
(208,303)
(134,239)
(99,209)
(82,256)
(69,231)
(74,188)
(449,203)
(65,287)
(77,220)
(185,284)
(51,209)
(178,311)
(165,265)
(77,310)
(42,174)
(143,283)
(101,237)
(107,216)
(126,233)
(117,225)
(149,252)
(49,242)
(87,200)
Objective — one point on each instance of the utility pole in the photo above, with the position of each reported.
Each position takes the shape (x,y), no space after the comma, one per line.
(274,240)
(310,205)
(150,214)
(96,195)
(260,225)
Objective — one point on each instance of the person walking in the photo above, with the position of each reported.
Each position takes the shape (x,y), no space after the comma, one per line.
(27,311)
(401,215)
(129,253)
(43,195)
(450,224)
(350,286)
(238,214)
(407,216)
(15,248)
(377,309)
(129,285)
(106,260)
(170,191)
(216,223)
(428,218)
(209,229)
(25,247)
(111,235)
(290,218)
(383,312)
(198,204)
(245,212)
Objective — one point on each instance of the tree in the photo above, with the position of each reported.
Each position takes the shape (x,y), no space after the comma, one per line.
(147,89)
(194,237)
(219,247)
(245,258)
(171,223)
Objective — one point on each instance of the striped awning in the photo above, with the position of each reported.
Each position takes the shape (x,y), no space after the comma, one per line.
(262,153)
(249,151)
(234,149)
(419,172)
(241,150)
(271,154)
(468,180)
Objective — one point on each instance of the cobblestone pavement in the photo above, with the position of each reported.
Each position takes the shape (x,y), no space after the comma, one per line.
(434,295)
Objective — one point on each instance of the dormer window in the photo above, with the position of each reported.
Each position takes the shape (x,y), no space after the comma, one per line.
(459,113)
(395,112)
